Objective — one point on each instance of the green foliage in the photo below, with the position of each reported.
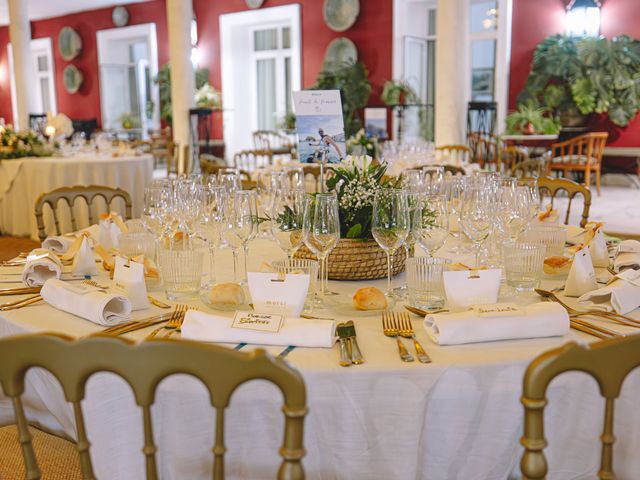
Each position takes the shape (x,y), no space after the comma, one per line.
(163,80)
(398,92)
(368,143)
(288,122)
(353,82)
(529,114)
(23,144)
(590,75)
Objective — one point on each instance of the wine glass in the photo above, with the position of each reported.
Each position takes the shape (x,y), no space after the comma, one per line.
(293,178)
(240,226)
(430,225)
(231,181)
(151,210)
(477,215)
(512,211)
(531,184)
(287,217)
(390,224)
(211,222)
(412,180)
(433,178)
(269,183)
(321,231)
(454,190)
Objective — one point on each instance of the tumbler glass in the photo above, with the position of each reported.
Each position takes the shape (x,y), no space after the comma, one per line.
(424,282)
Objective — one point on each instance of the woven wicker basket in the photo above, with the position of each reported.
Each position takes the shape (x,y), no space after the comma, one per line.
(358,260)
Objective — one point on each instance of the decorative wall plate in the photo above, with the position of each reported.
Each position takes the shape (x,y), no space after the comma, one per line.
(69,43)
(254,3)
(340,50)
(120,16)
(72,78)
(340,15)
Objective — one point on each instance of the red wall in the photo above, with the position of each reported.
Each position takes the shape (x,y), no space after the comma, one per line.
(86,102)
(533,21)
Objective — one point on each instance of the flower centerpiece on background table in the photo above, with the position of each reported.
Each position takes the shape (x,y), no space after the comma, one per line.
(366,144)
(357,255)
(22,144)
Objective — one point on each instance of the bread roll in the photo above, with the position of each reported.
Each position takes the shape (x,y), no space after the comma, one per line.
(369,298)
(226,294)
(557,265)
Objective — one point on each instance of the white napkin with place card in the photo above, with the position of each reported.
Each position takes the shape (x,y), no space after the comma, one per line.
(128,279)
(41,265)
(111,228)
(628,255)
(486,323)
(83,262)
(274,293)
(582,276)
(598,248)
(58,243)
(293,331)
(468,287)
(620,296)
(88,302)
(575,235)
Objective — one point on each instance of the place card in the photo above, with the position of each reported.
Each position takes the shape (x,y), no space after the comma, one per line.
(277,293)
(471,287)
(80,288)
(261,322)
(498,310)
(582,276)
(128,279)
(631,276)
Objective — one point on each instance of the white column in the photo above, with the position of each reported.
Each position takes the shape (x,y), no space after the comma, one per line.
(20,36)
(179,15)
(452,71)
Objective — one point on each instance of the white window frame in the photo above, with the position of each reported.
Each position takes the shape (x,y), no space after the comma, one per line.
(38,46)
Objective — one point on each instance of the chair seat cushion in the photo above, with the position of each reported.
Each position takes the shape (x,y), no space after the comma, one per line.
(57,458)
(572,159)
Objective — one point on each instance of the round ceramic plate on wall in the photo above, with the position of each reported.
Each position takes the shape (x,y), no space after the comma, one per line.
(69,43)
(72,78)
(340,51)
(254,3)
(340,15)
(120,16)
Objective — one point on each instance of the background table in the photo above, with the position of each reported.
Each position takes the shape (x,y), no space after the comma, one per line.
(23,180)
(458,418)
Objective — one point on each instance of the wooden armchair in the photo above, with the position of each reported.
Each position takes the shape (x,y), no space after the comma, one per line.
(554,185)
(582,154)
(70,195)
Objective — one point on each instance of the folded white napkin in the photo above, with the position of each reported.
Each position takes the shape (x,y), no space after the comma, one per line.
(83,262)
(628,255)
(575,235)
(294,331)
(42,264)
(582,276)
(545,319)
(620,296)
(58,243)
(90,303)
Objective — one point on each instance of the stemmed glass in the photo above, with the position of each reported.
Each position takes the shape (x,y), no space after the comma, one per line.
(269,183)
(531,185)
(321,231)
(390,225)
(293,178)
(433,178)
(151,210)
(512,211)
(211,222)
(287,217)
(240,226)
(230,181)
(412,180)
(430,225)
(454,188)
(477,215)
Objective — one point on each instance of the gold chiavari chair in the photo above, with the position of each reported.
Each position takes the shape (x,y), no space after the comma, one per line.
(143,366)
(69,195)
(161,146)
(210,164)
(251,160)
(552,186)
(510,156)
(314,172)
(582,154)
(454,154)
(608,362)
(532,168)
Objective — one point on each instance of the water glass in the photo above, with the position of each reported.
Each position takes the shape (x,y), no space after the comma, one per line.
(523,264)
(181,272)
(304,266)
(132,244)
(424,281)
(553,237)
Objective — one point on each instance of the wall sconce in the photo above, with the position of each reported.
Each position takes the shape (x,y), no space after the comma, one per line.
(583,18)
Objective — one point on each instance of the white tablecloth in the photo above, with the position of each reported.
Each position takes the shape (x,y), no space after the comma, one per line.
(456,418)
(23,180)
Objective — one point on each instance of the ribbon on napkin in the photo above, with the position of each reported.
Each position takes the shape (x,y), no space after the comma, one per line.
(294,331)
(544,319)
(550,215)
(594,239)
(41,265)
(111,227)
(88,302)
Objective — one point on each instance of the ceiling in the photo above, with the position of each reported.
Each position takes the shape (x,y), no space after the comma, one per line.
(39,9)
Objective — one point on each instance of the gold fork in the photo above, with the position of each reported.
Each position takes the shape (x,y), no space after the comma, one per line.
(406,331)
(173,323)
(180,321)
(390,329)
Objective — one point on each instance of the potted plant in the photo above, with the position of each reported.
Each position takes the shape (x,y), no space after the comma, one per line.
(398,92)
(529,120)
(163,80)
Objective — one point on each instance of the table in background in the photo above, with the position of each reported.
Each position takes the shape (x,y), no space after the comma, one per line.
(23,180)
(458,418)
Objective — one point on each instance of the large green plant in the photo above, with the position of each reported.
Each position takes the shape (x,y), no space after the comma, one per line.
(529,119)
(587,75)
(163,80)
(353,82)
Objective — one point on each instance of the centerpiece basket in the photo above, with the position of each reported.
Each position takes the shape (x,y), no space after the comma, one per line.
(357,256)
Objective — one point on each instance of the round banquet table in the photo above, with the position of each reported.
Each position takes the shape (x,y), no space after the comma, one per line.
(458,417)
(23,180)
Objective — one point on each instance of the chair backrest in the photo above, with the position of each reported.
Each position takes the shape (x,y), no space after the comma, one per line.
(452,170)
(314,171)
(454,154)
(485,148)
(251,160)
(609,362)
(210,164)
(270,140)
(511,156)
(143,366)
(69,195)
(161,146)
(532,168)
(589,146)
(555,185)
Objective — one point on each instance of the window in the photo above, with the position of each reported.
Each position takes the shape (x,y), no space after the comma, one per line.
(483,24)
(271,66)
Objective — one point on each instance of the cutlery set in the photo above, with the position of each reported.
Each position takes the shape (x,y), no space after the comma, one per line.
(349,350)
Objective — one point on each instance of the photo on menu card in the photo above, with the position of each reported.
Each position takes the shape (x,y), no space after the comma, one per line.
(320,126)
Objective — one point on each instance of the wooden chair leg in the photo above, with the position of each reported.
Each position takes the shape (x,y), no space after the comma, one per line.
(587,177)
(597,172)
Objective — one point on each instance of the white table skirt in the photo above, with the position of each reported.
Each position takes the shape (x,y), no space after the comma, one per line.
(456,418)
(23,180)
